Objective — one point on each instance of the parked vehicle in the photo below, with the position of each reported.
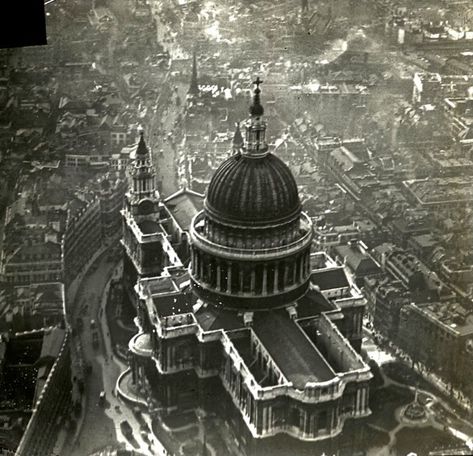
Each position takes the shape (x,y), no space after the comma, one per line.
(145,436)
(126,429)
(102,398)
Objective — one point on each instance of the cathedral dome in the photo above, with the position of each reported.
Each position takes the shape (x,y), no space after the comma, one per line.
(251,243)
(254,191)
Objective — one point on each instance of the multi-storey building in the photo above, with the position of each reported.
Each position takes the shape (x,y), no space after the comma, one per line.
(459,116)
(245,321)
(34,306)
(386,297)
(440,336)
(83,235)
(34,263)
(93,218)
(426,88)
(110,196)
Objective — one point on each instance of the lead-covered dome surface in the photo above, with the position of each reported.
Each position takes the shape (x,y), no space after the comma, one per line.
(253,190)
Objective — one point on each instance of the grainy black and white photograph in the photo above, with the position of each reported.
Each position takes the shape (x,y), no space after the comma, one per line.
(236,228)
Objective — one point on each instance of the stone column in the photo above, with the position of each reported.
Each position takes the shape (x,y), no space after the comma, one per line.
(253,280)
(195,265)
(263,421)
(199,264)
(286,273)
(276,277)
(219,278)
(212,277)
(229,277)
(203,271)
(265,279)
(358,400)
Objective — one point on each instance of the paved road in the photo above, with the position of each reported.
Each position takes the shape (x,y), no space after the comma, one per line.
(101,424)
(166,135)
(97,430)
(167,141)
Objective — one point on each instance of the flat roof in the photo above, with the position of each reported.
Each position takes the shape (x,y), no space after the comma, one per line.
(297,358)
(329,279)
(175,304)
(149,227)
(441,190)
(184,206)
(212,318)
(450,314)
(160,285)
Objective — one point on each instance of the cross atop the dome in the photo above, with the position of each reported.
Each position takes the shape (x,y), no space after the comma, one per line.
(256,110)
(257,82)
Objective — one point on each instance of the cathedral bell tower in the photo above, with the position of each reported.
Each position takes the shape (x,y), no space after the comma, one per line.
(142,175)
(143,216)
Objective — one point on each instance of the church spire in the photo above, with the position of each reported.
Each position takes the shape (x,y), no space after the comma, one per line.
(142,149)
(194,85)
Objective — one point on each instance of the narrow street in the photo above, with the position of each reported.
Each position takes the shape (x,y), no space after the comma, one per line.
(165,133)
(166,143)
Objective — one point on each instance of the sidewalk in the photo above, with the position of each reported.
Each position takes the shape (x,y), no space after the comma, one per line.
(435,381)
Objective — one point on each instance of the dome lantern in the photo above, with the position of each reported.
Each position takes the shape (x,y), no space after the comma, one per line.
(255,141)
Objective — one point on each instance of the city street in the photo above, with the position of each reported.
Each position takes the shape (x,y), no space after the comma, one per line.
(167,142)
(96,426)
(99,425)
(165,134)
